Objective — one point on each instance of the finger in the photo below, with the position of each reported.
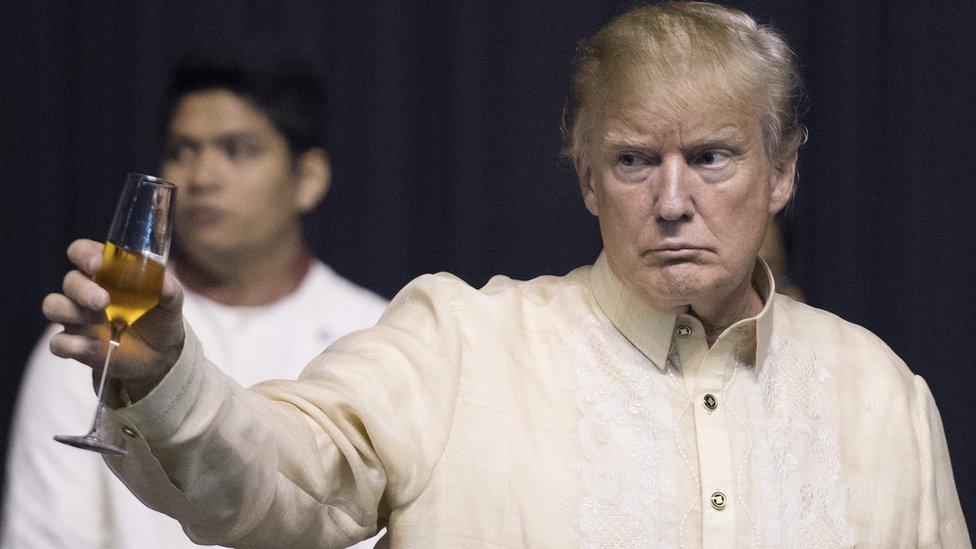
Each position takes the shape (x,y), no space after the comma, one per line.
(99,331)
(84,291)
(59,309)
(171,299)
(86,255)
(81,348)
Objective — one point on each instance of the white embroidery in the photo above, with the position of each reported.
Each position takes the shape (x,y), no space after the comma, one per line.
(626,433)
(639,469)
(802,463)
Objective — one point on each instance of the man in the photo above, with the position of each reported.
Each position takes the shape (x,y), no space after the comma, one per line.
(243,145)
(664,396)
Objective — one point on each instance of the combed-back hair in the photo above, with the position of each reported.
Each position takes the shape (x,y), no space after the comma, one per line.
(684,55)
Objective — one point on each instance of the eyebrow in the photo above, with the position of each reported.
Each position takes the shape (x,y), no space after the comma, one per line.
(724,136)
(613,142)
(228,137)
(720,136)
(732,143)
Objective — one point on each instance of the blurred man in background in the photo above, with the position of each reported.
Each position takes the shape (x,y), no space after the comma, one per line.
(243,144)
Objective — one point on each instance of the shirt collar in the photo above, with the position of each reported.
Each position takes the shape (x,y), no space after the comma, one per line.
(651,331)
(765,282)
(647,329)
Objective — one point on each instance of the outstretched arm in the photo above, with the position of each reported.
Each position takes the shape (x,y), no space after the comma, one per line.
(314,462)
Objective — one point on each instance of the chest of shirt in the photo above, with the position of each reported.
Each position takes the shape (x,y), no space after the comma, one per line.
(573,428)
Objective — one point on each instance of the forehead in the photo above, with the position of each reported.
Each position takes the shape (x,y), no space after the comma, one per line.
(214,112)
(647,124)
(645,100)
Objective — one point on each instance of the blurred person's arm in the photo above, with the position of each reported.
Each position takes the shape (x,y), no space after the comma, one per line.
(54,495)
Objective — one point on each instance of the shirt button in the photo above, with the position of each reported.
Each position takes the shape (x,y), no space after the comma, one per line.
(718,501)
(129,431)
(683,331)
(710,402)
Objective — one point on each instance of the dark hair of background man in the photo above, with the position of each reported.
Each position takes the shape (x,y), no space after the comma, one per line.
(282,87)
(443,125)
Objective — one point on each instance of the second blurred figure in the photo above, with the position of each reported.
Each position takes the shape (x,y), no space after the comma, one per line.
(243,144)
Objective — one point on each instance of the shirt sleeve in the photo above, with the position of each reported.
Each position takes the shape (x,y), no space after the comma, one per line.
(941,522)
(317,462)
(54,494)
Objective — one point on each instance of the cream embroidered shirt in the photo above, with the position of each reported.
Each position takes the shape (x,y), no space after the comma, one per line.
(559,412)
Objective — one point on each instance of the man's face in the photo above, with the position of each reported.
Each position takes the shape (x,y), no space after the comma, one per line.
(237,186)
(683,202)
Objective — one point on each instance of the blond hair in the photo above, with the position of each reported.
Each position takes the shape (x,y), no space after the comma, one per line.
(680,55)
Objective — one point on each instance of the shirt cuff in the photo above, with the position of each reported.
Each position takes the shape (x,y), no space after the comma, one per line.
(158,415)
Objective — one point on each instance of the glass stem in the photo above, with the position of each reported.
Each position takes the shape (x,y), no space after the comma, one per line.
(118,327)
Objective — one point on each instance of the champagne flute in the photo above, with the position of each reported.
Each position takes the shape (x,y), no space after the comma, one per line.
(133,264)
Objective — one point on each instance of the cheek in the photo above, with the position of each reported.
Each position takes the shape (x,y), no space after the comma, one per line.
(739,222)
(170,172)
(624,210)
(177,173)
(271,203)
(623,199)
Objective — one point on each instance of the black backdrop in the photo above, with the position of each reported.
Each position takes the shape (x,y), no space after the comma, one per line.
(443,125)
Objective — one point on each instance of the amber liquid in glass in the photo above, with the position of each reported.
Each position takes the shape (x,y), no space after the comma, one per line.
(133,281)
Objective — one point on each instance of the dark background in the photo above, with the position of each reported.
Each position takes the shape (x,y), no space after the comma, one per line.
(444,130)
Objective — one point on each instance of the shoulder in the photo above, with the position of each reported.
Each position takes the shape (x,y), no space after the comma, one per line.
(855,353)
(341,297)
(541,290)
(323,277)
(499,291)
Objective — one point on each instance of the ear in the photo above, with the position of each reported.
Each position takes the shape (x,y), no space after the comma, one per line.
(782,183)
(313,174)
(587,185)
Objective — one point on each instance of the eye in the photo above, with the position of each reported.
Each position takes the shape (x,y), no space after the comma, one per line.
(238,151)
(178,152)
(713,159)
(632,160)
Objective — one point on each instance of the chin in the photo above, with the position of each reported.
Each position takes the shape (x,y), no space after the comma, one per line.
(212,246)
(678,285)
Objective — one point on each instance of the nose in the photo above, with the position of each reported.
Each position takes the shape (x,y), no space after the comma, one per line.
(672,200)
(204,174)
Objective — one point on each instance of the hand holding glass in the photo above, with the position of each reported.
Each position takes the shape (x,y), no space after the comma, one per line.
(133,265)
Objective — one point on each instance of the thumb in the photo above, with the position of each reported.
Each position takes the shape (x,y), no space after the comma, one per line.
(171,298)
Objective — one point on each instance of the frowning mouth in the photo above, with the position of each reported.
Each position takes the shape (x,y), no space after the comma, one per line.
(675,252)
(676,248)
(665,248)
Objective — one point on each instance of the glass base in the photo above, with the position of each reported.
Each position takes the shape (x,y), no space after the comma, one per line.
(91,442)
